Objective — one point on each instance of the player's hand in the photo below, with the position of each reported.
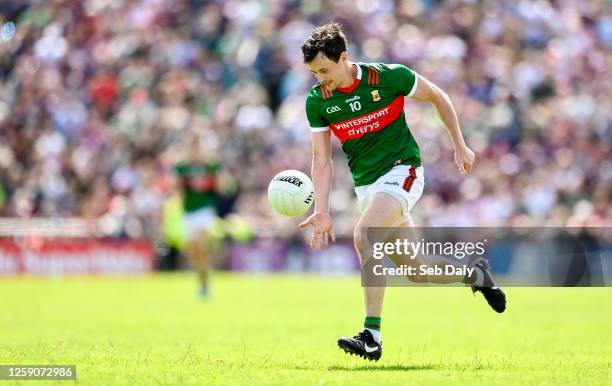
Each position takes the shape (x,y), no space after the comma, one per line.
(464,159)
(323,229)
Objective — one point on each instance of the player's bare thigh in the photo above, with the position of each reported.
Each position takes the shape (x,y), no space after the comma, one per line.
(384,212)
(401,232)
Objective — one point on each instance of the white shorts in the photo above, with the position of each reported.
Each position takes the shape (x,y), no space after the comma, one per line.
(404,182)
(196,222)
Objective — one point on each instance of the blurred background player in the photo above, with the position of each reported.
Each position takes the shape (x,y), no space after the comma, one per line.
(203,184)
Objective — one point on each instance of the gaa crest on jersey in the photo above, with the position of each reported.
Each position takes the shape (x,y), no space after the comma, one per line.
(332,109)
(375,96)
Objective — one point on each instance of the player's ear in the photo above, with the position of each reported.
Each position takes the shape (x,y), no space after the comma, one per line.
(343,57)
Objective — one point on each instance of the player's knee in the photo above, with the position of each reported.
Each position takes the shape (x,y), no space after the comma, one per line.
(360,240)
(417,278)
(357,241)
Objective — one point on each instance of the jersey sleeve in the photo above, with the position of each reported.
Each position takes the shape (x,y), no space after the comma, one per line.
(180,169)
(214,167)
(316,120)
(403,79)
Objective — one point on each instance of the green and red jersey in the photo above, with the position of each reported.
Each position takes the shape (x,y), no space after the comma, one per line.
(199,183)
(368,118)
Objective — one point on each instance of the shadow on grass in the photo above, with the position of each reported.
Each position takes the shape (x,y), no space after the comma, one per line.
(384,367)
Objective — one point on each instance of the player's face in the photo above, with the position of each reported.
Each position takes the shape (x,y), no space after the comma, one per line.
(328,72)
(196,153)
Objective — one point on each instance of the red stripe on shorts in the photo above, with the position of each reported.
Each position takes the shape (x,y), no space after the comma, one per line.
(410,179)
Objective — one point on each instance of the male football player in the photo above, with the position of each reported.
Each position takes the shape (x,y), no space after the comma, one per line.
(362,105)
(198,178)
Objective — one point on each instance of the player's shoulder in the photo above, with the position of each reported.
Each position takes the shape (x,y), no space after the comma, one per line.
(315,96)
(373,66)
(315,92)
(374,72)
(180,166)
(384,67)
(390,73)
(214,166)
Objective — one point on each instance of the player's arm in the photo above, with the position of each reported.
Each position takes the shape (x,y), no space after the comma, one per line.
(322,173)
(322,169)
(177,182)
(426,91)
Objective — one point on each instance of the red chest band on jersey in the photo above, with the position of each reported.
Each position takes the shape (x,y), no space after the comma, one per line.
(368,123)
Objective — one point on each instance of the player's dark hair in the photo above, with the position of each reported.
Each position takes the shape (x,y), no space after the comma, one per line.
(329,39)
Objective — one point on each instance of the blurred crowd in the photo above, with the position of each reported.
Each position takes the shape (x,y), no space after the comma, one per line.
(99,99)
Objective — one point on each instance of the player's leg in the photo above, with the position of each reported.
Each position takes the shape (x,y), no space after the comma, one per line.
(197,259)
(210,249)
(384,211)
(407,229)
(481,279)
(199,245)
(204,261)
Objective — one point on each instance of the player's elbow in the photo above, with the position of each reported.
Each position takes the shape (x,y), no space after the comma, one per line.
(321,156)
(321,161)
(434,94)
(439,97)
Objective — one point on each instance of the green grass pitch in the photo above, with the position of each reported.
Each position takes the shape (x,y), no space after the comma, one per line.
(282,330)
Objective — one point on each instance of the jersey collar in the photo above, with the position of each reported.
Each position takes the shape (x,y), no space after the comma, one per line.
(356,82)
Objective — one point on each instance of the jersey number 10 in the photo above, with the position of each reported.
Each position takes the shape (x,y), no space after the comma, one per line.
(355,106)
